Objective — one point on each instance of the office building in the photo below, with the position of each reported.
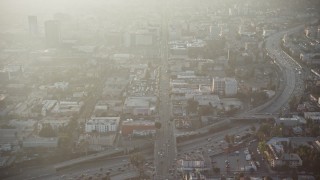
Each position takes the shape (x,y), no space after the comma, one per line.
(225,86)
(33,26)
(53,34)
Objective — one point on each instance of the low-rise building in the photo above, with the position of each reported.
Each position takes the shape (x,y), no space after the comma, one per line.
(102,124)
(225,86)
(67,107)
(313,116)
(54,122)
(205,100)
(138,128)
(140,105)
(40,142)
(191,163)
(277,155)
(290,122)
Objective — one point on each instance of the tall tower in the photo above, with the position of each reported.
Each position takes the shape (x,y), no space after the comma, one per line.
(53,35)
(33,26)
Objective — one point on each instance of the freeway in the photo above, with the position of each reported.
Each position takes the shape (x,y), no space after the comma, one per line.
(112,165)
(293,81)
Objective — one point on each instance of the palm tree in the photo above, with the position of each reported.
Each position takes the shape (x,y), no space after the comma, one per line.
(238,164)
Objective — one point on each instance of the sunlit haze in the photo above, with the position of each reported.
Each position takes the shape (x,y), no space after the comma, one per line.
(159,89)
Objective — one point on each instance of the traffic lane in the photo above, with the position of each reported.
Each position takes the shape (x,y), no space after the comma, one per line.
(215,136)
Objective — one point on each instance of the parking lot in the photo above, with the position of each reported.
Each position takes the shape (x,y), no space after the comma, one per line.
(235,162)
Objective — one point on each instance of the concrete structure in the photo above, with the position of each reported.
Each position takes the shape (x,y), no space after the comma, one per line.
(277,156)
(47,106)
(53,34)
(102,124)
(138,128)
(310,58)
(140,105)
(205,100)
(192,162)
(54,122)
(313,116)
(225,86)
(33,26)
(290,122)
(139,38)
(67,107)
(36,142)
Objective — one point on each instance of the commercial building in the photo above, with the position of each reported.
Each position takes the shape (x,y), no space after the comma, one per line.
(138,128)
(33,26)
(52,33)
(38,142)
(290,122)
(313,116)
(225,86)
(67,107)
(54,122)
(102,124)
(278,157)
(207,100)
(139,38)
(140,105)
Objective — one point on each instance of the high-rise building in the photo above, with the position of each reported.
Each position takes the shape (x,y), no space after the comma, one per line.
(33,26)
(53,35)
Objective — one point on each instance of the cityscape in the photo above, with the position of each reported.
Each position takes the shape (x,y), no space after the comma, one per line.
(160,90)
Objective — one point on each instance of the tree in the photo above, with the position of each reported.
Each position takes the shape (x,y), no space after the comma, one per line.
(231,137)
(227,138)
(192,106)
(292,103)
(158,125)
(253,128)
(64,142)
(138,161)
(262,146)
(47,131)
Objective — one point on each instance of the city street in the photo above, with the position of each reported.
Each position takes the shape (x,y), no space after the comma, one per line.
(165,144)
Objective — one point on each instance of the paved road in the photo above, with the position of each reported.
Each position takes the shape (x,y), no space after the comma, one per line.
(165,144)
(292,79)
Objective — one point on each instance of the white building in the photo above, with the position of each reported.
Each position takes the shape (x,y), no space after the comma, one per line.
(61,85)
(290,122)
(102,124)
(231,87)
(225,86)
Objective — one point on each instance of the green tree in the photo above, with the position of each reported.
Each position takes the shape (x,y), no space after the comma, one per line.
(64,142)
(138,161)
(47,131)
(158,125)
(262,146)
(227,138)
(192,106)
(253,128)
